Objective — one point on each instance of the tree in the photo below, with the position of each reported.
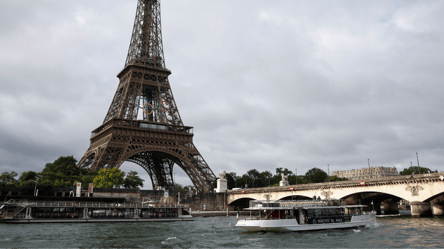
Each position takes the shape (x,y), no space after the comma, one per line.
(28,175)
(63,172)
(232,180)
(88,178)
(265,176)
(315,175)
(45,188)
(337,179)
(285,171)
(410,170)
(8,179)
(132,180)
(252,174)
(109,178)
(178,187)
(27,187)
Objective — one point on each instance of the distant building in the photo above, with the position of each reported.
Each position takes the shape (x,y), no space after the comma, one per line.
(366,173)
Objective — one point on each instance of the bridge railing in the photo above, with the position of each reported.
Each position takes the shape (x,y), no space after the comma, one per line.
(367,182)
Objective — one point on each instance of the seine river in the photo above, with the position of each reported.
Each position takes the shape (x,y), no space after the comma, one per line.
(219,232)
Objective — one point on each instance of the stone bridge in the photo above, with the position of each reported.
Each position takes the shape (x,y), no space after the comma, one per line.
(424,193)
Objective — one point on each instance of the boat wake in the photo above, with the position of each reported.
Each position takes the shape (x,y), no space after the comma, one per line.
(374,225)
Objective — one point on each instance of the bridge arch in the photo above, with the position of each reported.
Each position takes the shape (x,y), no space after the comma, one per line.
(241,203)
(295,197)
(371,195)
(439,197)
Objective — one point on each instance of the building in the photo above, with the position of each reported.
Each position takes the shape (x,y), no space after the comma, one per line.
(366,173)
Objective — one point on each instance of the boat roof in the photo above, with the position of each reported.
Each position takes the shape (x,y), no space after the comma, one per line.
(59,198)
(295,207)
(295,204)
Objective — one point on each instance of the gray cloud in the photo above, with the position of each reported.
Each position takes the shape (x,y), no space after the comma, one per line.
(296,84)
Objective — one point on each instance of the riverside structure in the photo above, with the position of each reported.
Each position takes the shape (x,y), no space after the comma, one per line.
(421,191)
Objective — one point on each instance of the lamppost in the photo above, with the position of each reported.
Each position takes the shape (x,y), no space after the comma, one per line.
(35,186)
(234,181)
(419,167)
(296,176)
(328,169)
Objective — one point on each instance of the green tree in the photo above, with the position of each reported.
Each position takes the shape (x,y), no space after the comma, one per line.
(337,179)
(252,175)
(88,178)
(27,187)
(45,188)
(285,171)
(28,175)
(63,172)
(132,180)
(410,170)
(264,178)
(109,178)
(178,187)
(315,175)
(9,179)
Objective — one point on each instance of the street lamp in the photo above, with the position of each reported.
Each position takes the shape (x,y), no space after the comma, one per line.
(296,176)
(35,186)
(328,169)
(419,167)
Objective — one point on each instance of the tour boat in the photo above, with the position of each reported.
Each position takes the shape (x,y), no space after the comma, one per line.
(305,215)
(89,210)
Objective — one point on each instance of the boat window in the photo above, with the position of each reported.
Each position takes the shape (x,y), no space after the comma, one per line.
(325,212)
(310,213)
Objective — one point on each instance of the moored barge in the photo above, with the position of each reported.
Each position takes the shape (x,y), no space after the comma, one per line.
(33,210)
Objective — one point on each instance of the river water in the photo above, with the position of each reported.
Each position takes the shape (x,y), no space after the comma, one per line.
(219,232)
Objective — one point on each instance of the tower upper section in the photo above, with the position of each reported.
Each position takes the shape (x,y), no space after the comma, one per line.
(146,48)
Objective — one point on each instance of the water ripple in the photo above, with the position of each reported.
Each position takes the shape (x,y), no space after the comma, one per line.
(217,232)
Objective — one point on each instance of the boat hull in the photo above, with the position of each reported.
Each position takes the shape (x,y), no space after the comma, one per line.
(26,221)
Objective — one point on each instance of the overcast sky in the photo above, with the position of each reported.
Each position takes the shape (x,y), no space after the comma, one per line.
(266,84)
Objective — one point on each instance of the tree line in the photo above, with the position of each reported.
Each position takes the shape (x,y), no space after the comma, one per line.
(255,179)
(63,173)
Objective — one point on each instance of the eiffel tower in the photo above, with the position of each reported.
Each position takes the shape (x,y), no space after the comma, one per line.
(158,140)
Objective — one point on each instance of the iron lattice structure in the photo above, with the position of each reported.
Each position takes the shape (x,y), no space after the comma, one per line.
(158,140)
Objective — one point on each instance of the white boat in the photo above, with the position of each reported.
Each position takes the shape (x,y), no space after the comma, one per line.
(305,215)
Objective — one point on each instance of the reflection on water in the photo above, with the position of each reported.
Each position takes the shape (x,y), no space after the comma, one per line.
(221,232)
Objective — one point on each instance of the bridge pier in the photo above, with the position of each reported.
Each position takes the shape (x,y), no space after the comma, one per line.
(438,210)
(421,209)
(390,207)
